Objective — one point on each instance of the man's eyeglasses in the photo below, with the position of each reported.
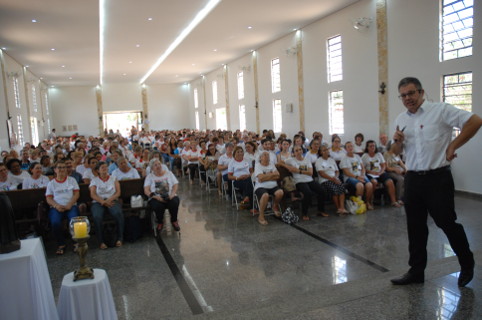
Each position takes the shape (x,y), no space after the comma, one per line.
(61,167)
(408,94)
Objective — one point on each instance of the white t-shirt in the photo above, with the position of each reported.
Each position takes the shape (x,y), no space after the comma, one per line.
(131,174)
(312,157)
(195,154)
(80,169)
(104,189)
(62,191)
(88,174)
(358,149)
(161,185)
(337,155)
(20,178)
(9,185)
(239,168)
(304,164)
(328,166)
(31,183)
(373,163)
(353,163)
(260,169)
(224,160)
(272,157)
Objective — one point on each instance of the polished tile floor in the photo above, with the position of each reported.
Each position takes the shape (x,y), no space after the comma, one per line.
(224,265)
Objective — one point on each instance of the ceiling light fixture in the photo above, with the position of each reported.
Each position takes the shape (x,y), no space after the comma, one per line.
(101,39)
(63,66)
(138,45)
(197,19)
(34,20)
(130,61)
(149,19)
(250,27)
(52,49)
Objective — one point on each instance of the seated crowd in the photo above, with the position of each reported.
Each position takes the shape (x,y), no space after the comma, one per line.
(259,167)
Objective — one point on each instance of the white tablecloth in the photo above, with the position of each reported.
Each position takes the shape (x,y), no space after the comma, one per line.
(25,287)
(88,299)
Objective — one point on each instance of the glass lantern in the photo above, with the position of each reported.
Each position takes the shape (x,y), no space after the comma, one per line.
(79,227)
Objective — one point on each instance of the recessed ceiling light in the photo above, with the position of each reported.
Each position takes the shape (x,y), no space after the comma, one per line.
(149,19)
(70,78)
(124,74)
(52,49)
(130,61)
(63,66)
(34,20)
(177,76)
(250,27)
(138,45)
(193,64)
(215,50)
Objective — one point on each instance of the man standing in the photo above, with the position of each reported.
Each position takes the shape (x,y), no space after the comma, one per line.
(424,132)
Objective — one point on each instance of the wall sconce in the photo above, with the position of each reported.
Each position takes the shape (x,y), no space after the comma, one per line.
(362,24)
(245,68)
(11,75)
(292,51)
(382,88)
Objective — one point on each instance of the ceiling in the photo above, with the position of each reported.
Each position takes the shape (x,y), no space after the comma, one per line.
(59,39)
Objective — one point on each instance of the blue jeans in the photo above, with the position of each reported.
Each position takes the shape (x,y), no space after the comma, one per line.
(56,217)
(98,213)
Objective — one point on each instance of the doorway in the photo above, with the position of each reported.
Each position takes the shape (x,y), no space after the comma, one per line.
(122,122)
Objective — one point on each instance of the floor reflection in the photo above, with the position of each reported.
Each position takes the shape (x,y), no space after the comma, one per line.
(455,306)
(339,270)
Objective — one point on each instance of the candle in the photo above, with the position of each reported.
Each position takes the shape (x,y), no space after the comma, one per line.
(80,230)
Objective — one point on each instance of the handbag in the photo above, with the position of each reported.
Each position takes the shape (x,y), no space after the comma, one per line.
(137,201)
(289,216)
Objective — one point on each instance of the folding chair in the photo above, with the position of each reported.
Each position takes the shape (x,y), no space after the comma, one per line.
(269,208)
(234,195)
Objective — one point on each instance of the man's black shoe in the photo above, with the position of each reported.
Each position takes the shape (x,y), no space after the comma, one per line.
(465,277)
(408,278)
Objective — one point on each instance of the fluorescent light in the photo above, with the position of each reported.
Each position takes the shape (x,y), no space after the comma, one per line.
(101,39)
(197,19)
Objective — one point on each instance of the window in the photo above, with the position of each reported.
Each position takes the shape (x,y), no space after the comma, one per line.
(275,76)
(334,59)
(221,122)
(34,98)
(277,116)
(34,126)
(21,140)
(215,92)
(197,119)
(16,93)
(457,29)
(457,90)
(196,101)
(242,117)
(46,100)
(336,113)
(240,85)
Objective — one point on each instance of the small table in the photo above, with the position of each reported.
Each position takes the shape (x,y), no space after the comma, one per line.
(86,299)
(25,287)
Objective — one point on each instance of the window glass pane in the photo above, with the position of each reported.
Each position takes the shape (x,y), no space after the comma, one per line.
(215,92)
(336,113)
(196,101)
(334,59)
(240,85)
(242,117)
(275,76)
(457,29)
(277,116)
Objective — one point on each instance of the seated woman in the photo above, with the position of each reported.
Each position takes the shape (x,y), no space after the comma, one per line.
(62,195)
(336,151)
(223,164)
(16,173)
(328,178)
(266,185)
(124,171)
(354,175)
(251,153)
(284,153)
(303,175)
(105,192)
(209,162)
(161,188)
(396,169)
(191,157)
(89,174)
(313,154)
(6,183)
(37,180)
(239,171)
(358,146)
(375,169)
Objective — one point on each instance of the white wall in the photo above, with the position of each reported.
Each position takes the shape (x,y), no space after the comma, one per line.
(168,106)
(413,38)
(74,106)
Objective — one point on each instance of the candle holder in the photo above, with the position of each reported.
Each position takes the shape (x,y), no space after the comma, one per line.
(79,229)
